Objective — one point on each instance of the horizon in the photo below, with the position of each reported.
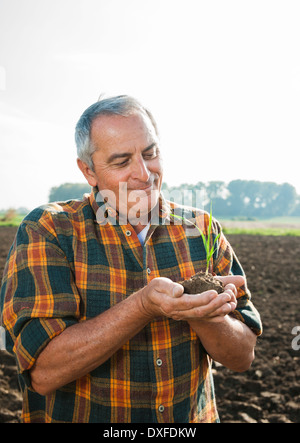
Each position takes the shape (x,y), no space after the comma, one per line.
(200,193)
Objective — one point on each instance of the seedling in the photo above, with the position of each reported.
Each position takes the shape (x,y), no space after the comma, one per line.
(206,239)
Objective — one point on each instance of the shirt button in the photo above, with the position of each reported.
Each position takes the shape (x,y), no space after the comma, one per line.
(128,233)
(161,408)
(159,362)
(148,271)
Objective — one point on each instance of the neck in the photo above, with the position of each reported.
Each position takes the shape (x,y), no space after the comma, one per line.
(138,228)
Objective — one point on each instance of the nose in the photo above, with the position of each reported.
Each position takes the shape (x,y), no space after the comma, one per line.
(140,171)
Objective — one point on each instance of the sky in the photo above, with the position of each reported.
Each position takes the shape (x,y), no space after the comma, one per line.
(222,78)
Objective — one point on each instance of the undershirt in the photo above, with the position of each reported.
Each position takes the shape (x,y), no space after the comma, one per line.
(143,233)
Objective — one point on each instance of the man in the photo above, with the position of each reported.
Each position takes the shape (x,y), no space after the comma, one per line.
(94,311)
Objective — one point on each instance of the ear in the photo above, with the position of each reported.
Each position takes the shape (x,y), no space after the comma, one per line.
(87,172)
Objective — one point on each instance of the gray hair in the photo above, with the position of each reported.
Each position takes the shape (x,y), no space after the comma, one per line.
(120,105)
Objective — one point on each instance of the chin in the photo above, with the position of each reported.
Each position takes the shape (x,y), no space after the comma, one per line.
(140,212)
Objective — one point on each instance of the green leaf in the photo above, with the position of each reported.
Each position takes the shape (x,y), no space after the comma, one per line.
(206,240)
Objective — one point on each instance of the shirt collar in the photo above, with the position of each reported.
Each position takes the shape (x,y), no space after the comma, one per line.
(105,214)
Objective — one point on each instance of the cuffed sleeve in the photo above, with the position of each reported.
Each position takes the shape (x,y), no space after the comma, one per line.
(227,263)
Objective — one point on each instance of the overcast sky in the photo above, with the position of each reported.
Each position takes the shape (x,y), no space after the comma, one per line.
(222,78)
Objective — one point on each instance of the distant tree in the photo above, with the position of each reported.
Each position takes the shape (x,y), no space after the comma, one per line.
(250,198)
(286,200)
(296,210)
(68,191)
(264,203)
(217,194)
(239,198)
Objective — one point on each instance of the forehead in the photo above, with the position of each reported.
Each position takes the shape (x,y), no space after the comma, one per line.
(117,130)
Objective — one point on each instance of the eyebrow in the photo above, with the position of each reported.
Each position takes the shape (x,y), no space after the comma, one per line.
(128,154)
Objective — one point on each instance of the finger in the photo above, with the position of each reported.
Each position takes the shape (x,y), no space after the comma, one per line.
(231,293)
(231,287)
(202,305)
(178,290)
(226,308)
(236,280)
(223,304)
(181,308)
(184,306)
(166,286)
(191,301)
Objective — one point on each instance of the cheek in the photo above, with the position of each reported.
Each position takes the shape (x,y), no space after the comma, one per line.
(114,181)
(156,166)
(159,169)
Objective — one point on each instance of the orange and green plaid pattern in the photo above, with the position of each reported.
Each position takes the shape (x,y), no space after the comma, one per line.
(65,267)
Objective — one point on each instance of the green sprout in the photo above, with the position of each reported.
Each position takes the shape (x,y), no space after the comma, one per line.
(206,239)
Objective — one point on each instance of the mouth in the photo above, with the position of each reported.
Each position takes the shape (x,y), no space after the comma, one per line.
(146,187)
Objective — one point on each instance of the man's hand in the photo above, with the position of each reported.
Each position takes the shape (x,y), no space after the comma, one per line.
(162,297)
(226,339)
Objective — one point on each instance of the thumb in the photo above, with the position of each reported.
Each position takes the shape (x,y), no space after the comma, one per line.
(178,290)
(236,280)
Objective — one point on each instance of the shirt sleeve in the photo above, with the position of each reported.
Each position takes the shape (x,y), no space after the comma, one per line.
(227,263)
(39,298)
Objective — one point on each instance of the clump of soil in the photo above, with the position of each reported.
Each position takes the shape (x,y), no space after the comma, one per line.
(202,282)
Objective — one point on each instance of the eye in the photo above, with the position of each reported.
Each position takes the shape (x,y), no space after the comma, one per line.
(151,154)
(123,163)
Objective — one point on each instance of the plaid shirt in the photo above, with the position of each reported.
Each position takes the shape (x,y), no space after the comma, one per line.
(67,265)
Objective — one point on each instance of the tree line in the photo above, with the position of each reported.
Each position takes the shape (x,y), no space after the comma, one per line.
(238,198)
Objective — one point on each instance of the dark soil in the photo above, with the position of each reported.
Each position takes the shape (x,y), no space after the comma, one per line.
(202,282)
(269,392)
(10,395)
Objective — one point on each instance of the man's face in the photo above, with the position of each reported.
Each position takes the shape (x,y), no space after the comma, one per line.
(127,161)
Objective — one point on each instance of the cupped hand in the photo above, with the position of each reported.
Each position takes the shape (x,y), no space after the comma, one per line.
(163,297)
